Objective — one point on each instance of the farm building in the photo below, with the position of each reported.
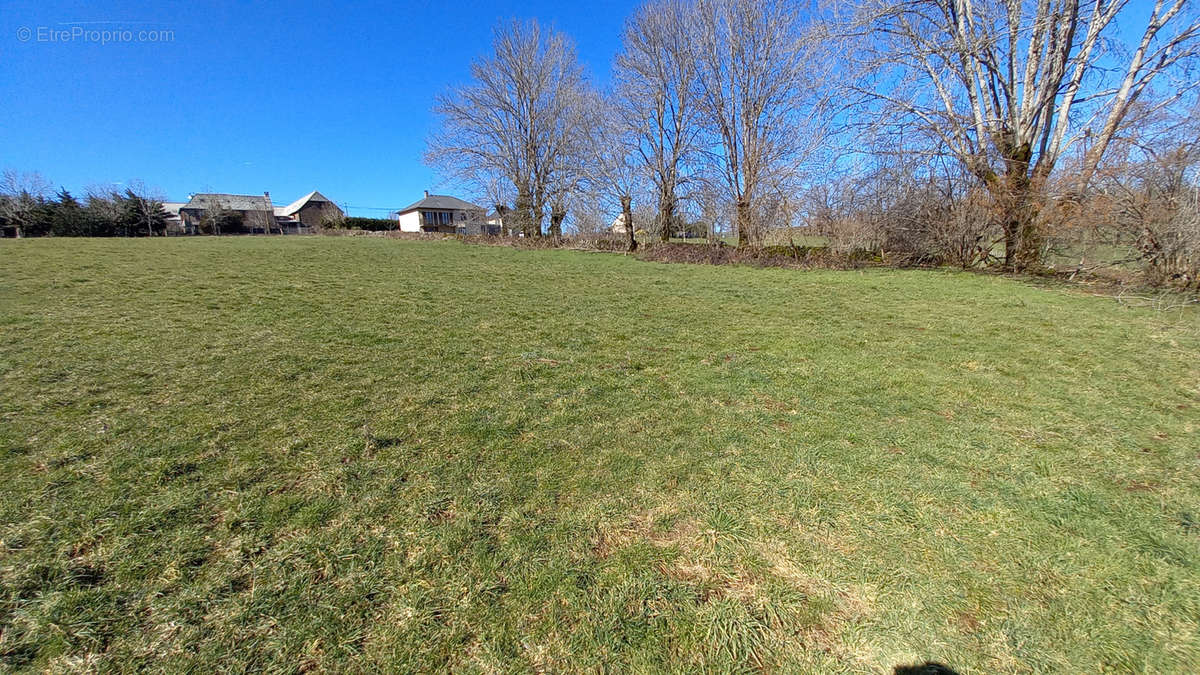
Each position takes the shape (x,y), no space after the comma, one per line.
(253,214)
(248,213)
(311,210)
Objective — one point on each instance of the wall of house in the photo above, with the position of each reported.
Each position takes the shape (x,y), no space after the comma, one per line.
(470,222)
(261,220)
(618,225)
(315,214)
(477,217)
(192,218)
(410,222)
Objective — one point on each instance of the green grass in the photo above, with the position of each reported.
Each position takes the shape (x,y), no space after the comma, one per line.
(366,454)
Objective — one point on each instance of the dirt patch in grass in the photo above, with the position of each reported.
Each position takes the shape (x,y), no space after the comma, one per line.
(441,511)
(712,585)
(752,584)
(1140,486)
(967,622)
(644,526)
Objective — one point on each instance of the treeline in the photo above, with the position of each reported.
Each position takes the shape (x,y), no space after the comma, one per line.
(358,223)
(982,133)
(1022,136)
(25,211)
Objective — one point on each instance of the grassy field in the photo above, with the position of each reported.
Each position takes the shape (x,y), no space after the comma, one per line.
(364,454)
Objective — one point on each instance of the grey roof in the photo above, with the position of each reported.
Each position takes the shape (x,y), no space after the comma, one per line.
(295,206)
(230,202)
(441,203)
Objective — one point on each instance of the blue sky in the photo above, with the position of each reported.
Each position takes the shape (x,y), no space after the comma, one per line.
(250,97)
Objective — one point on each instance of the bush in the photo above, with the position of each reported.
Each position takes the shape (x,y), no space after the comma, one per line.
(1155,208)
(368,224)
(599,242)
(909,220)
(218,221)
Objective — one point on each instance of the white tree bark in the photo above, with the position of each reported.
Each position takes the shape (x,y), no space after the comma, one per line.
(1009,86)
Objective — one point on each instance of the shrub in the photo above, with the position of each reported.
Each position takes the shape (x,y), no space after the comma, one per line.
(368,224)
(909,220)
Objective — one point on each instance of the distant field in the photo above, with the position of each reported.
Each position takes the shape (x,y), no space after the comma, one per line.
(362,454)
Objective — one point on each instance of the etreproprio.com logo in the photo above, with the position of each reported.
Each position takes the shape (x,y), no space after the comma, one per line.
(88,35)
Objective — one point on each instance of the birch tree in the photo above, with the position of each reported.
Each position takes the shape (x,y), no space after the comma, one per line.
(517,120)
(1010,85)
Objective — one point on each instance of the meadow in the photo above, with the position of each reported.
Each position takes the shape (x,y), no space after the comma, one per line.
(354,454)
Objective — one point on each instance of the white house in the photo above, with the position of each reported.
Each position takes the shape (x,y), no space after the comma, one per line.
(495,222)
(441,213)
(618,224)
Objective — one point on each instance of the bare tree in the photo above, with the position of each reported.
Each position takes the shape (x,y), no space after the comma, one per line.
(106,204)
(759,97)
(144,208)
(20,195)
(590,220)
(218,217)
(1144,205)
(1163,207)
(517,121)
(614,167)
(655,76)
(569,175)
(713,207)
(1010,85)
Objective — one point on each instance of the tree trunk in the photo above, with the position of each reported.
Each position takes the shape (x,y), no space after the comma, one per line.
(558,214)
(666,213)
(627,213)
(1014,194)
(502,212)
(525,212)
(744,226)
(1022,239)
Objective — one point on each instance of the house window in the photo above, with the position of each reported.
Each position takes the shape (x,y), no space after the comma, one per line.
(436,218)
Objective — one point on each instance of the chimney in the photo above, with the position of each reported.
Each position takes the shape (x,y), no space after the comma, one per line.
(427,194)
